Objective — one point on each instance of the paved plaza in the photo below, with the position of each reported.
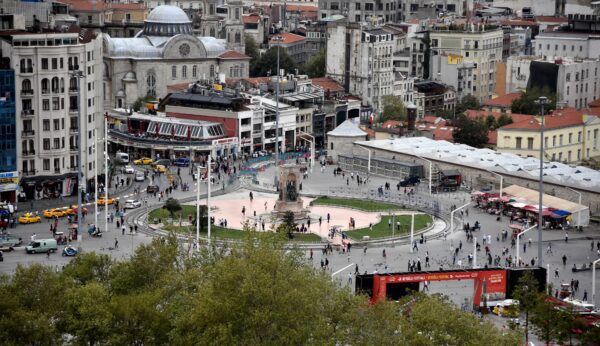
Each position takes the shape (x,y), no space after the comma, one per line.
(340,265)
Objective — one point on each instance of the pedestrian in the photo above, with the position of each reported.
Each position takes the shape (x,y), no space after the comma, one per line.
(556,273)
(564,259)
(426,286)
(585,296)
(349,278)
(311,254)
(389,223)
(328,217)
(123,231)
(322,263)
(116,243)
(48,254)
(566,237)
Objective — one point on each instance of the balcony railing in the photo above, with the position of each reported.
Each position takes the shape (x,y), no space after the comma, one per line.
(73,129)
(45,91)
(27,70)
(57,170)
(26,92)
(27,132)
(73,110)
(27,173)
(27,112)
(28,152)
(73,90)
(74,148)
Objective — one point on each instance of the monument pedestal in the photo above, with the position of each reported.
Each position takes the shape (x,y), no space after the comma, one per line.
(289,200)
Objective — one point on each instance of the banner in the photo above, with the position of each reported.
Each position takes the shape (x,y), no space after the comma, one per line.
(9,181)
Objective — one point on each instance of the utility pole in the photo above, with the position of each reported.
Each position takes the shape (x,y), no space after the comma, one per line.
(542,101)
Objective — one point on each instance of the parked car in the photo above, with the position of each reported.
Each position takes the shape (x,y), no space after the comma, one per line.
(42,246)
(143,161)
(29,218)
(72,210)
(139,176)
(128,170)
(50,213)
(182,162)
(152,189)
(103,200)
(160,169)
(132,204)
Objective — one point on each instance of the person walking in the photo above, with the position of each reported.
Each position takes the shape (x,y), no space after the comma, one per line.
(566,237)
(564,259)
(116,243)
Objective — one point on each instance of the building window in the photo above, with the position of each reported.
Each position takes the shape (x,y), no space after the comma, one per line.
(560,140)
(579,137)
(519,140)
(44,63)
(174,72)
(530,143)
(46,143)
(570,138)
(56,124)
(46,164)
(46,125)
(194,71)
(212,71)
(184,72)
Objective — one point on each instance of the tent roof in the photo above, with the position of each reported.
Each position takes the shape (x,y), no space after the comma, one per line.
(550,201)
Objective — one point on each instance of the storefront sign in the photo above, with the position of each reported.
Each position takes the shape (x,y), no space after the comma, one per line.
(9,181)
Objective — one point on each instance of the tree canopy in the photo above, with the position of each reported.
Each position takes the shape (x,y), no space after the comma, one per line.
(526,103)
(256,292)
(266,65)
(473,132)
(315,67)
(393,108)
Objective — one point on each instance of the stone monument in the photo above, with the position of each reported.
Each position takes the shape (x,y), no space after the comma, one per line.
(289,198)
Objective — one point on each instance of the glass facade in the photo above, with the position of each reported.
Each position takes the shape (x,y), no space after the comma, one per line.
(8,138)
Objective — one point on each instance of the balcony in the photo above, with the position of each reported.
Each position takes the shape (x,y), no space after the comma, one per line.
(28,152)
(27,70)
(26,133)
(57,170)
(45,91)
(73,90)
(73,110)
(74,148)
(73,129)
(27,112)
(27,92)
(28,173)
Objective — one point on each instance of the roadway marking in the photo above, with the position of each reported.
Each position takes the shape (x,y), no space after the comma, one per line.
(341,270)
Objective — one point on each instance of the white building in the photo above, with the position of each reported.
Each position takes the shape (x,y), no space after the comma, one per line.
(50,115)
(475,44)
(567,44)
(576,81)
(165,52)
(453,70)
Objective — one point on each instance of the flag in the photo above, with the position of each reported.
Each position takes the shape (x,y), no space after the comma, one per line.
(189,133)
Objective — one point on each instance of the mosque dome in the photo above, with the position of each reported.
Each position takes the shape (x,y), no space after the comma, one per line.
(167,20)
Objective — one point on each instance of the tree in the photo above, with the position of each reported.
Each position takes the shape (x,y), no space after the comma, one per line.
(549,323)
(526,103)
(503,120)
(173,206)
(527,294)
(473,132)
(267,64)
(393,108)
(315,67)
(288,224)
(251,50)
(490,121)
(469,102)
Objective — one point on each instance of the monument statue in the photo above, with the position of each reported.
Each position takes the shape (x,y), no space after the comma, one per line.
(292,195)
(289,199)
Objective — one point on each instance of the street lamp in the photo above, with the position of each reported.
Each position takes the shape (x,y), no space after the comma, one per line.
(501,181)
(278,39)
(312,147)
(105,172)
(518,238)
(369,160)
(542,101)
(80,187)
(430,170)
(579,201)
(452,216)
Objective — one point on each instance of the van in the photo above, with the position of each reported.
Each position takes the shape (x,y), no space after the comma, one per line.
(41,246)
(122,158)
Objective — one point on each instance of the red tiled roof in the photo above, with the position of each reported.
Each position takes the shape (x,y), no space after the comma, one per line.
(519,22)
(177,87)
(232,54)
(443,134)
(328,84)
(504,100)
(250,18)
(554,19)
(302,8)
(516,117)
(86,5)
(256,81)
(431,119)
(492,137)
(391,123)
(288,38)
(557,119)
(132,6)
(595,103)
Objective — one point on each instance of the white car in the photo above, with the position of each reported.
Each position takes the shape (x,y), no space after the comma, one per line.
(128,170)
(139,176)
(132,204)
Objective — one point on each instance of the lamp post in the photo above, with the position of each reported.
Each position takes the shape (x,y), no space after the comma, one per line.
(594,281)
(208,182)
(369,160)
(412,231)
(95,185)
(578,201)
(501,180)
(474,252)
(80,187)
(277,39)
(452,216)
(542,101)
(518,238)
(430,170)
(198,210)
(312,147)
(105,172)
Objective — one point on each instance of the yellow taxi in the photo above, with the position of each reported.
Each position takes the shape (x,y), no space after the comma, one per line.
(143,161)
(160,169)
(72,210)
(103,201)
(50,213)
(29,218)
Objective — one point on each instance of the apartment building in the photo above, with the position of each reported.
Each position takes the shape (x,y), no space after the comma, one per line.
(8,137)
(476,43)
(362,11)
(575,81)
(51,116)
(570,136)
(453,70)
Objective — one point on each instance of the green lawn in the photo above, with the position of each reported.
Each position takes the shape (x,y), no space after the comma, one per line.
(382,230)
(366,205)
(163,214)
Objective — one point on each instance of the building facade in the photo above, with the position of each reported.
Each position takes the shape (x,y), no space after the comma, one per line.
(55,108)
(9,175)
(362,11)
(165,52)
(454,71)
(474,43)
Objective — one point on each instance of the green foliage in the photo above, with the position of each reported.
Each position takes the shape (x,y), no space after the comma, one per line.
(267,63)
(549,323)
(360,204)
(393,108)
(473,132)
(256,293)
(252,51)
(315,67)
(288,224)
(526,103)
(137,104)
(469,102)
(382,229)
(527,294)
(173,206)
(503,120)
